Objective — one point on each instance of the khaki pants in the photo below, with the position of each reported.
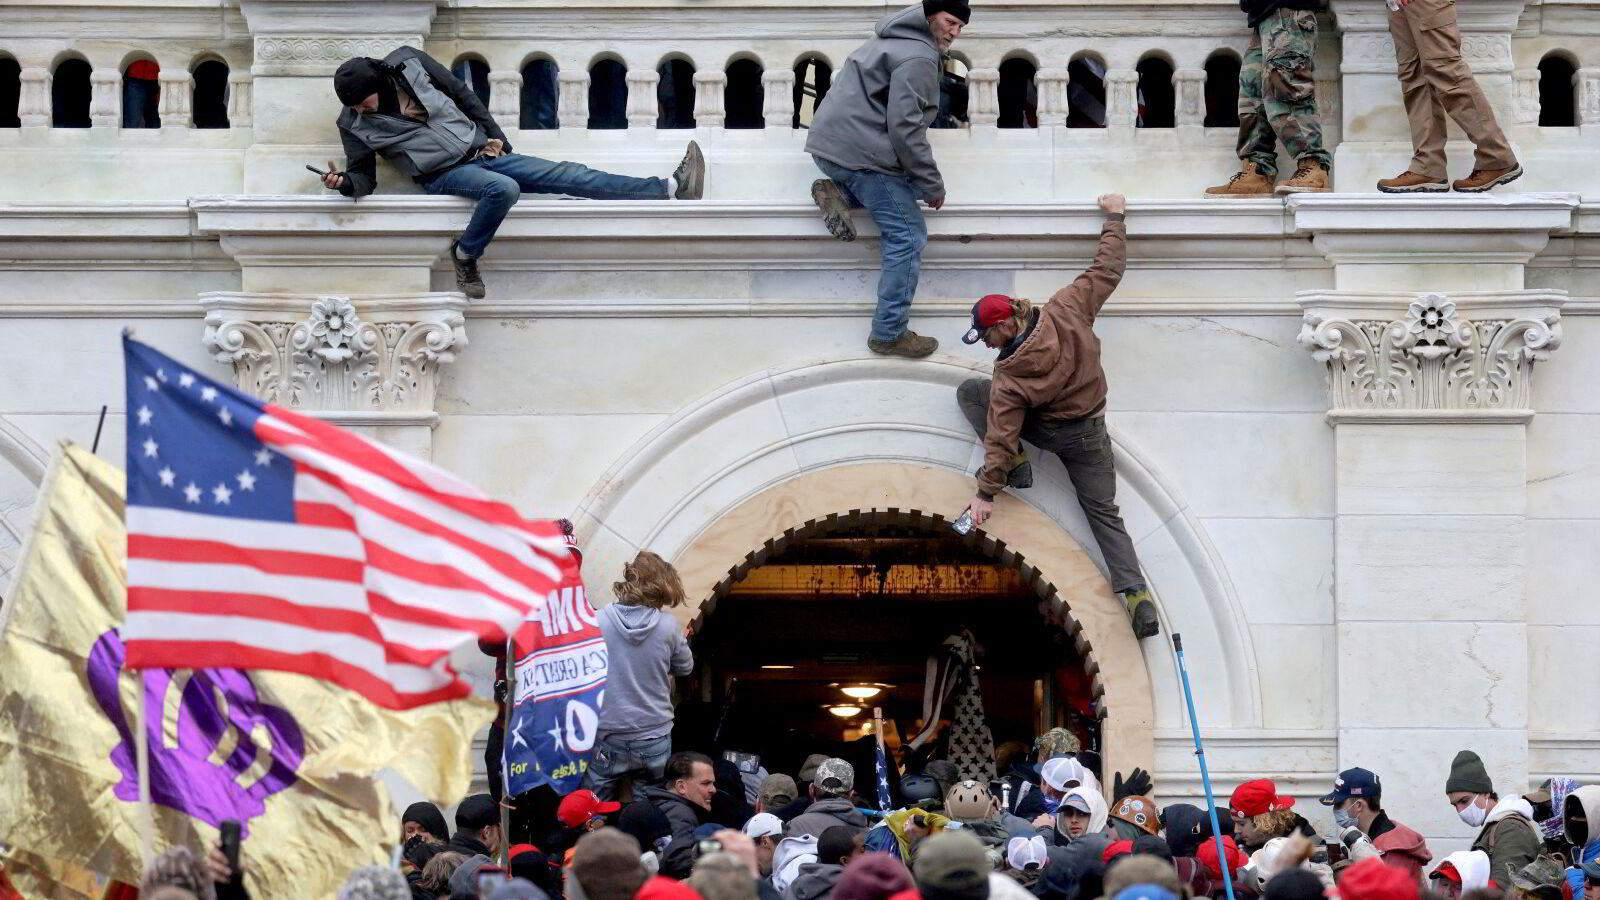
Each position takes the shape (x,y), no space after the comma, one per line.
(1435,80)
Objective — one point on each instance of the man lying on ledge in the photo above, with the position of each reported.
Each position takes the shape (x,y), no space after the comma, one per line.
(409,108)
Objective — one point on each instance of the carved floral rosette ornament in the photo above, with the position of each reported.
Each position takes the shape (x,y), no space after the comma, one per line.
(1432,357)
(323,354)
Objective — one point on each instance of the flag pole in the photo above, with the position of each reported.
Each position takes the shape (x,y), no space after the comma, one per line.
(141,743)
(505,741)
(1205,774)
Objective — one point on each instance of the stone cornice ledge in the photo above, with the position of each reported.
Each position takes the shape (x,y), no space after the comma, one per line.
(1431,228)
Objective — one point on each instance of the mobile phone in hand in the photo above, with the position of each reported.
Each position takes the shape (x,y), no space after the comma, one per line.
(230,844)
(317,171)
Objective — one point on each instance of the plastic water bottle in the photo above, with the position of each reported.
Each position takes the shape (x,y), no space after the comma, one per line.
(963,525)
(1394,5)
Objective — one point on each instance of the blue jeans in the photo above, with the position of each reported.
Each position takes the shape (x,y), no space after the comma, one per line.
(616,757)
(892,201)
(497,183)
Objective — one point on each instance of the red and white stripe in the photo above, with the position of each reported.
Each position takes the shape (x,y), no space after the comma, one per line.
(391,564)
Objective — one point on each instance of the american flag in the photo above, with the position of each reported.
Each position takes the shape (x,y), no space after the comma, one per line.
(885,801)
(259,538)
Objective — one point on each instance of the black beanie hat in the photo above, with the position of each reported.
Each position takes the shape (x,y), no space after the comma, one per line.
(477,811)
(958,8)
(357,79)
(429,817)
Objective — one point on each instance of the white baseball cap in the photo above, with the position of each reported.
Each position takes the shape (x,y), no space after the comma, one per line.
(1022,852)
(763,825)
(1064,772)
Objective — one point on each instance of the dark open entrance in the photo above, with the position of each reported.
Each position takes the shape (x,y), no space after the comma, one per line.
(862,600)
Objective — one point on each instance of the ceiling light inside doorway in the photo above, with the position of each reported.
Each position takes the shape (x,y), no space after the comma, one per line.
(861,691)
(777,667)
(845,711)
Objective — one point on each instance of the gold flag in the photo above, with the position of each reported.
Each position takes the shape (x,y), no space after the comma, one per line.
(294,759)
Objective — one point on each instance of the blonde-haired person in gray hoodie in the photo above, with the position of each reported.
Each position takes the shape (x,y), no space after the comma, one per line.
(645,648)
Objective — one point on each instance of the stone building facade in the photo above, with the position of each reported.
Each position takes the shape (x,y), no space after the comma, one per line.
(1357,435)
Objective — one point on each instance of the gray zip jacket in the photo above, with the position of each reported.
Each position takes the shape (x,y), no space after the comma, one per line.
(877,112)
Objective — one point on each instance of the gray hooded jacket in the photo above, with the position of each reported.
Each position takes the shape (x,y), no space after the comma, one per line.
(644,649)
(877,111)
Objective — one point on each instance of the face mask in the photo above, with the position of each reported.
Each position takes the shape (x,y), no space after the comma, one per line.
(1343,819)
(1474,814)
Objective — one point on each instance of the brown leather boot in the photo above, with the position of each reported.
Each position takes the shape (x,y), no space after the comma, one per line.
(1412,183)
(1483,179)
(1310,178)
(1249,182)
(909,344)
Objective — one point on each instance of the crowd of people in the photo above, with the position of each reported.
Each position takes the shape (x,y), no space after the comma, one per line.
(1044,830)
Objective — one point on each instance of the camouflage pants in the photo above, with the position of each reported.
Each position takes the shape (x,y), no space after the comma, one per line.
(1277,94)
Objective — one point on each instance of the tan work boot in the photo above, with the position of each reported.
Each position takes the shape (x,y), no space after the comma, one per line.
(1249,182)
(909,344)
(1483,179)
(1412,183)
(1310,178)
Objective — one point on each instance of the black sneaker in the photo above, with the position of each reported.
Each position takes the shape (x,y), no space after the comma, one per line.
(1020,477)
(467,277)
(691,174)
(1142,610)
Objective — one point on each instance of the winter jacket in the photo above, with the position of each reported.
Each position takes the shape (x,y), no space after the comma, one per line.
(1472,866)
(882,100)
(1181,824)
(677,861)
(644,648)
(1258,10)
(815,881)
(792,854)
(824,814)
(458,125)
(1510,838)
(1399,846)
(1055,372)
(1585,845)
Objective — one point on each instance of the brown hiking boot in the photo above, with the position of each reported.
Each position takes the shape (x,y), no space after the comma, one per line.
(1249,182)
(1310,178)
(909,344)
(1412,183)
(829,197)
(1483,179)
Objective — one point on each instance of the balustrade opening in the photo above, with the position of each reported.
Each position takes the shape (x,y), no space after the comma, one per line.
(812,78)
(211,94)
(69,94)
(1158,102)
(141,94)
(1018,94)
(742,98)
(540,96)
(1222,90)
(1558,95)
(952,93)
(675,94)
(10,92)
(1086,92)
(608,95)
(474,73)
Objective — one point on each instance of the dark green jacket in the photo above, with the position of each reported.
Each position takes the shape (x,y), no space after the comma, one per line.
(1512,841)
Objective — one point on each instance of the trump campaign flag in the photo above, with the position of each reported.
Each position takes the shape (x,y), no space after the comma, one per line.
(259,538)
(558,684)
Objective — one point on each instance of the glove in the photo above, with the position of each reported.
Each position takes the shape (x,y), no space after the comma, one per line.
(1139,784)
(1359,845)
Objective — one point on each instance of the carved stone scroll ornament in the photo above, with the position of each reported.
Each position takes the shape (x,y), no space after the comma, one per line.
(1431,358)
(324,355)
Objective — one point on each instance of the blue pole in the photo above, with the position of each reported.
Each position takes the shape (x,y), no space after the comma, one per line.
(1205,774)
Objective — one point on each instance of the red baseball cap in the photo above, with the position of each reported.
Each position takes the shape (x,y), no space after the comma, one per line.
(987,313)
(1207,854)
(1116,849)
(1373,879)
(1256,797)
(579,807)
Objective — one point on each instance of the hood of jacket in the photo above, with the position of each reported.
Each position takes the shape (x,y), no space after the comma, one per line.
(1510,806)
(1472,865)
(1404,841)
(790,855)
(1038,354)
(815,879)
(840,809)
(634,623)
(1182,824)
(1587,799)
(1098,813)
(909,24)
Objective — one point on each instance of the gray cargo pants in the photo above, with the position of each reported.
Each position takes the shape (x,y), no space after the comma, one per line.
(1085,449)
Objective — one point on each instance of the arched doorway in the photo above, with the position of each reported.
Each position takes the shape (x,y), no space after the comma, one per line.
(856,602)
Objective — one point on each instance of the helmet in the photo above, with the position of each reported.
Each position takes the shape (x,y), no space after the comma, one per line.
(916,790)
(969,801)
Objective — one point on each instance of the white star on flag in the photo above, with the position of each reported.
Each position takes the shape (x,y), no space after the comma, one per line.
(191,492)
(168,477)
(150,447)
(150,383)
(247,482)
(208,393)
(263,457)
(144,415)
(225,416)
(185,379)
(221,494)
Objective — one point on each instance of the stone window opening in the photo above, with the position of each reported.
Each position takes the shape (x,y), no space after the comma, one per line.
(141,93)
(10,92)
(474,73)
(608,94)
(1086,92)
(210,101)
(742,98)
(1158,100)
(541,95)
(1018,94)
(675,93)
(812,78)
(1222,90)
(953,92)
(69,94)
(1558,93)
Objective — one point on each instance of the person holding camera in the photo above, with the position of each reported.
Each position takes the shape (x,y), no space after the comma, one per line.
(1050,390)
(410,109)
